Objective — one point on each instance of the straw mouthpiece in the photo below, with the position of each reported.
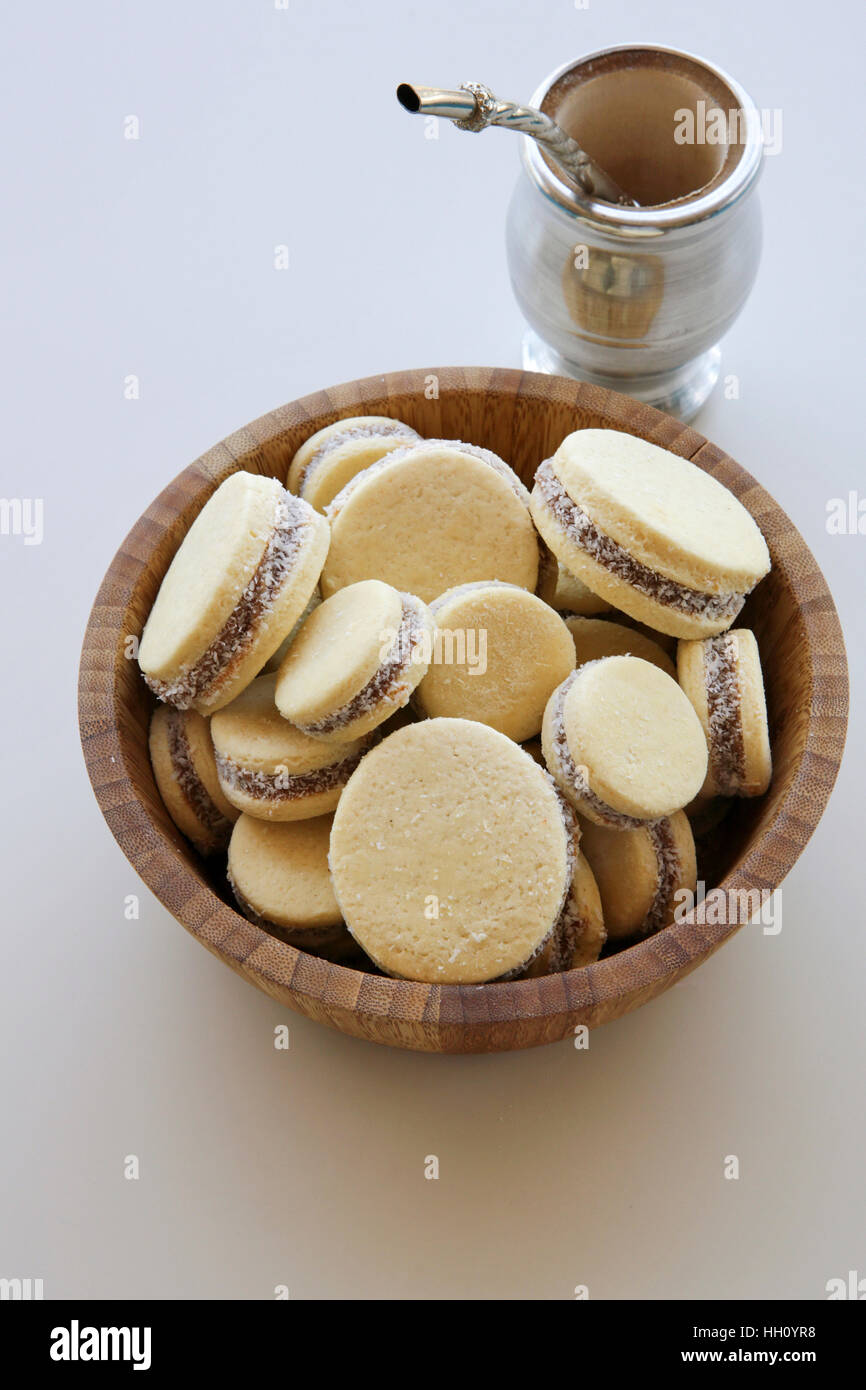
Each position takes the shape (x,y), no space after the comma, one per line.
(408,97)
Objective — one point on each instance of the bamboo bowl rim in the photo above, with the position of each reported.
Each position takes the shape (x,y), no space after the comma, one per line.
(335,993)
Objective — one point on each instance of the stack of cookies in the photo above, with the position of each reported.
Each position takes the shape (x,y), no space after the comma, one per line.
(449,729)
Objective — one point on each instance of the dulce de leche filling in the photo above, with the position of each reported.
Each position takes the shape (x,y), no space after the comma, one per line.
(192,788)
(237,633)
(668,860)
(570,925)
(583,532)
(724,715)
(389,683)
(282,785)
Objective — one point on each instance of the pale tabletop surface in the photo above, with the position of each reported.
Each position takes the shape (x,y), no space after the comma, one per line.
(262,126)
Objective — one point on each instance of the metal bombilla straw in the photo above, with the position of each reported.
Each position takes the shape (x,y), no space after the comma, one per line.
(474,107)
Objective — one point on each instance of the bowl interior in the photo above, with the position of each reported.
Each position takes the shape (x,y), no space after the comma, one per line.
(523,418)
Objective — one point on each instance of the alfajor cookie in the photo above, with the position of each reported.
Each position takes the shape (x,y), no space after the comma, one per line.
(568,594)
(236,587)
(581,932)
(355,661)
(651,532)
(452,854)
(623,743)
(722,677)
(182,757)
(638,872)
(270,769)
(279,876)
(332,456)
(597,637)
(498,653)
(430,516)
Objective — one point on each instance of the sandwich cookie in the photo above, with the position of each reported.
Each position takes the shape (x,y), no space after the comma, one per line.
(182,757)
(452,854)
(236,587)
(498,653)
(638,872)
(270,769)
(722,678)
(650,532)
(279,876)
(355,661)
(623,743)
(430,516)
(568,594)
(332,456)
(597,637)
(581,933)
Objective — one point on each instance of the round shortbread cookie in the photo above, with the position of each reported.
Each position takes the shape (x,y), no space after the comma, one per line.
(623,743)
(639,872)
(568,594)
(429,517)
(270,769)
(355,661)
(280,878)
(332,456)
(722,677)
(235,588)
(182,757)
(649,531)
(452,854)
(498,654)
(581,933)
(598,637)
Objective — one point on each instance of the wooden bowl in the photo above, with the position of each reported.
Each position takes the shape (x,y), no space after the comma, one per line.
(523,417)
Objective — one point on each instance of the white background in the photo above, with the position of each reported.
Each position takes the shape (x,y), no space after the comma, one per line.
(155,257)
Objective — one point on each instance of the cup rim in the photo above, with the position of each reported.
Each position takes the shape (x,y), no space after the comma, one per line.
(649,221)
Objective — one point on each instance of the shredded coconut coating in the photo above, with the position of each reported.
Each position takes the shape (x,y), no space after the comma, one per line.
(570,926)
(337,440)
(492,460)
(390,684)
(724,714)
(284,786)
(582,530)
(193,789)
(668,860)
(575,775)
(258,598)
